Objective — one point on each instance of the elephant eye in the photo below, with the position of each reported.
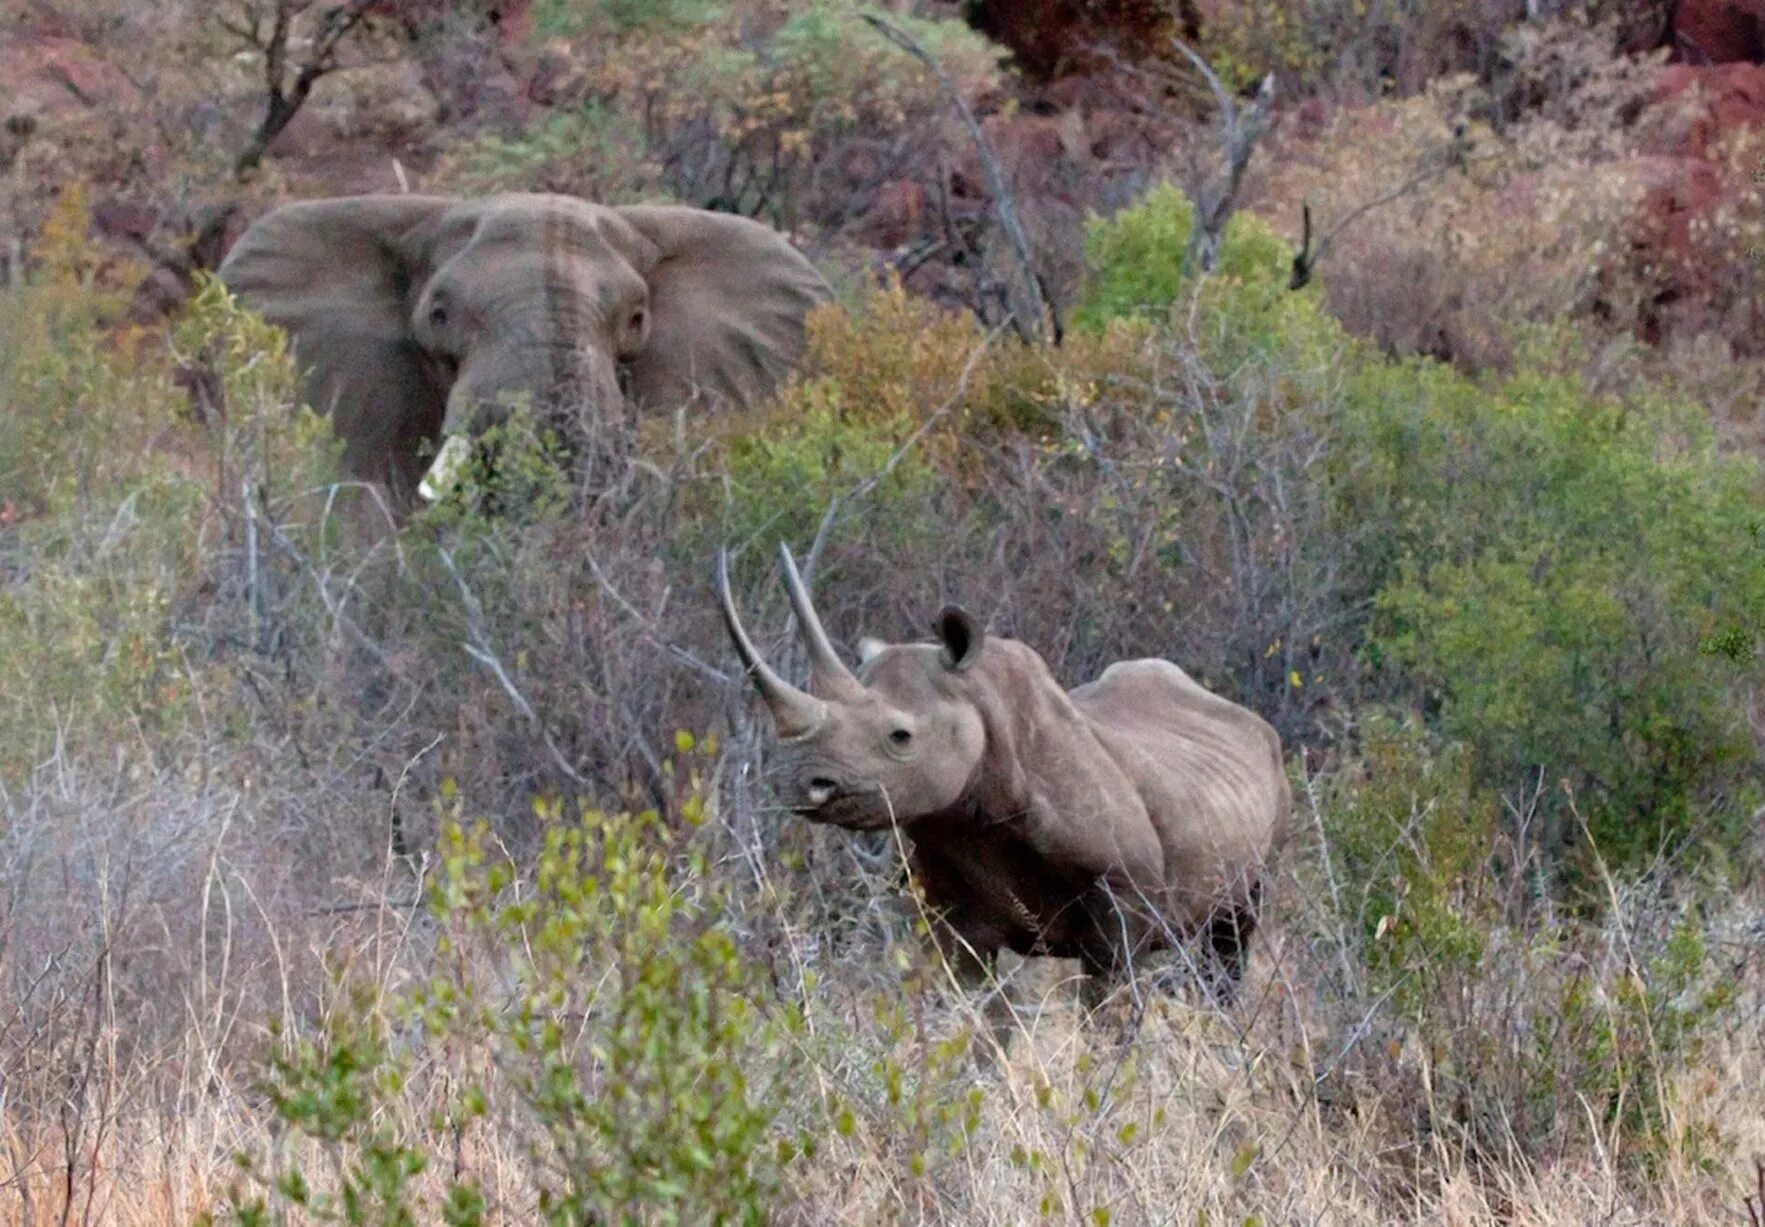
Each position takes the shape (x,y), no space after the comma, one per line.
(901,737)
(438,316)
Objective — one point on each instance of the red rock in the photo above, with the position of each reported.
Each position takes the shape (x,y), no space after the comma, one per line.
(896,215)
(1039,154)
(306,136)
(50,76)
(1718,31)
(513,20)
(1676,192)
(1724,97)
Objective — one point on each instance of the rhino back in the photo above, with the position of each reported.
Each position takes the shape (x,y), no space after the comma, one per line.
(1208,771)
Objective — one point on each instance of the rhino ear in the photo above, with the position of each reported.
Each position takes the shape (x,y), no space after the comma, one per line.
(961,636)
(727,301)
(338,275)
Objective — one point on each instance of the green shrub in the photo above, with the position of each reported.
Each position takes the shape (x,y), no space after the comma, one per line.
(1544,567)
(595,1004)
(1526,1017)
(1570,561)
(739,103)
(1137,257)
(590,151)
(784,478)
(116,495)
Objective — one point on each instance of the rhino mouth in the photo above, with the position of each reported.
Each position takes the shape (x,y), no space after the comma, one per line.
(855,809)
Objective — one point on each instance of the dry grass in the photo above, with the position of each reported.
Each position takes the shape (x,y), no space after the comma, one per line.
(1304,1103)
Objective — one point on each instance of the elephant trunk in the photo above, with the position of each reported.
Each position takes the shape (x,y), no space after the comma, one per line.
(570,388)
(564,384)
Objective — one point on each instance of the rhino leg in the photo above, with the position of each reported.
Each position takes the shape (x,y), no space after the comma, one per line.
(1228,949)
(972,957)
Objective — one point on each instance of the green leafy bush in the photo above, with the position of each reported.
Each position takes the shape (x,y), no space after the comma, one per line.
(1137,257)
(1525,1017)
(730,105)
(114,489)
(1544,566)
(597,1001)
(784,479)
(1571,560)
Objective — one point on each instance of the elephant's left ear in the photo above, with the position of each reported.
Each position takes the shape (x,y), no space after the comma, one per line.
(727,301)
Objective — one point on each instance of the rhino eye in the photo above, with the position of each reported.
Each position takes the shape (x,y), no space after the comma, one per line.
(901,737)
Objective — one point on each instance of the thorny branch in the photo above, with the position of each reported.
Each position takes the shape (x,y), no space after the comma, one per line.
(478,647)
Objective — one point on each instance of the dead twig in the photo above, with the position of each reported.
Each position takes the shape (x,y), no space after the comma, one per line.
(478,647)
(1306,259)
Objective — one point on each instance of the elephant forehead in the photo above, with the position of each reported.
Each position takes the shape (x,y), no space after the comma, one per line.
(558,226)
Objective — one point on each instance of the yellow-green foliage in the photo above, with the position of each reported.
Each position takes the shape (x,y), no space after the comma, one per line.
(1547,563)
(1447,904)
(114,490)
(98,545)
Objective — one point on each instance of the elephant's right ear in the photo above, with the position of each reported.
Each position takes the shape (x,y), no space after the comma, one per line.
(339,275)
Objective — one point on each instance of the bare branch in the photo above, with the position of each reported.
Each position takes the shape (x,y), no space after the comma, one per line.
(1003,202)
(1216,199)
(478,647)
(285,96)
(1305,262)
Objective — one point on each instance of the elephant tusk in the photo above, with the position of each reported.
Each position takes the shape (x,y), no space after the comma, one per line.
(446,470)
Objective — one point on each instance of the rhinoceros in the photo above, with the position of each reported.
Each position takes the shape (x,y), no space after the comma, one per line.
(1102,823)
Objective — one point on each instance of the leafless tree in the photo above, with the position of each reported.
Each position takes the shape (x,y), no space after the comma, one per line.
(1306,260)
(1214,193)
(268,27)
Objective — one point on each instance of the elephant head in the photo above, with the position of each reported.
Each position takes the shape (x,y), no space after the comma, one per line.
(415,316)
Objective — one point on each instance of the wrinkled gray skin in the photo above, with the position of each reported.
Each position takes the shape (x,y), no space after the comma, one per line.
(416,315)
(1101,823)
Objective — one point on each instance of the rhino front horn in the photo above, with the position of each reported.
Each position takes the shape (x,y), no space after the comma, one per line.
(796,712)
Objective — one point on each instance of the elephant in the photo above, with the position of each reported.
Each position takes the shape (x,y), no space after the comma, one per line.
(419,317)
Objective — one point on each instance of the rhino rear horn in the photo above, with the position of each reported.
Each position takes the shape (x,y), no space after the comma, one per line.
(828,672)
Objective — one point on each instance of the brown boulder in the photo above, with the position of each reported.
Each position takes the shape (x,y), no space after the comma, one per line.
(1055,38)
(1719,31)
(124,220)
(1039,155)
(896,215)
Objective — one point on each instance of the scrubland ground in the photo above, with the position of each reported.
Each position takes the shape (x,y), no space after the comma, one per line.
(425,877)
